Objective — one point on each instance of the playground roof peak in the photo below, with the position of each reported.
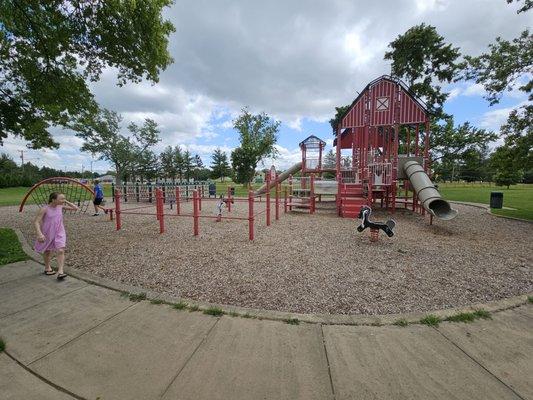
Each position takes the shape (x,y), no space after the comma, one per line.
(312,139)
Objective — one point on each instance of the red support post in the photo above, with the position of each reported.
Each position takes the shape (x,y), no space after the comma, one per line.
(178,200)
(199,202)
(268,199)
(118,216)
(251,215)
(285,200)
(196,212)
(312,194)
(161,208)
(290,192)
(157,205)
(277,200)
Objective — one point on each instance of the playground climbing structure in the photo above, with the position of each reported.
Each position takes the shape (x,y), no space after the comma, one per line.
(382,156)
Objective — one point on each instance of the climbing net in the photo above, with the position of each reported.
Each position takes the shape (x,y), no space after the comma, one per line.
(75,192)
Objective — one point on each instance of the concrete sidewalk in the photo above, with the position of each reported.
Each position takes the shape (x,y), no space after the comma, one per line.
(73,340)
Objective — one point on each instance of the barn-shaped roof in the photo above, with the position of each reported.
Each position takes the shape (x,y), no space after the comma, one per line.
(312,141)
(379,98)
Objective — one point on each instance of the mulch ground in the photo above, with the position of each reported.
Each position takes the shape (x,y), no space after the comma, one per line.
(306,263)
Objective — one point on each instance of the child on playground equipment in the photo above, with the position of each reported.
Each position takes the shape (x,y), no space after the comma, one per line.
(51,235)
(221,203)
(98,197)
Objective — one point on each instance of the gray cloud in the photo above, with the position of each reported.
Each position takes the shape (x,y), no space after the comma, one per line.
(292,59)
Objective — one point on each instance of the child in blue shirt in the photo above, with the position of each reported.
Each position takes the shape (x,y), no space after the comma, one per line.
(98,196)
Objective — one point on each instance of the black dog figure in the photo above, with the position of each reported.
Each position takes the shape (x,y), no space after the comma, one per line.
(364,216)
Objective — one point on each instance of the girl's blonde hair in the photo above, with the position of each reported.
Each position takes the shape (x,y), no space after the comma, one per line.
(53,196)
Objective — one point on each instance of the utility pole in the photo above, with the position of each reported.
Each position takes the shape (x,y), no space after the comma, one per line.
(22,158)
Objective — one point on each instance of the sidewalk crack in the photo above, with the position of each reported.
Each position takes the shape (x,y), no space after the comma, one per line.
(189,358)
(81,334)
(327,361)
(480,365)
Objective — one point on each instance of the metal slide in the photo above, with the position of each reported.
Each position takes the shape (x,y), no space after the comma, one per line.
(427,193)
(281,177)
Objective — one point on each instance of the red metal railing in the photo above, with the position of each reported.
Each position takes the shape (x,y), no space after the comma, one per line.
(197,209)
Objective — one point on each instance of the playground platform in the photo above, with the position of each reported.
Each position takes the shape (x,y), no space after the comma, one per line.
(75,340)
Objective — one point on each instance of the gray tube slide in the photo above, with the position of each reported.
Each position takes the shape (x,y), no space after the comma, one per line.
(281,177)
(428,195)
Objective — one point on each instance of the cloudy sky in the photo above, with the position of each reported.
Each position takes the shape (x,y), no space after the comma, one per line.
(296,60)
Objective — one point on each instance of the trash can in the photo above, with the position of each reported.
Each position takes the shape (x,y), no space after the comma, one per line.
(496,199)
(212,190)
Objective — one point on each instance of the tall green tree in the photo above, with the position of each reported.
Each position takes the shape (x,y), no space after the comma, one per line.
(219,164)
(507,173)
(339,114)
(450,142)
(425,61)
(178,160)
(508,65)
(102,137)
(258,136)
(198,165)
(50,49)
(330,162)
(187,164)
(168,163)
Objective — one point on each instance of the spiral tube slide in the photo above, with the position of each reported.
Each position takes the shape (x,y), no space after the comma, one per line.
(428,195)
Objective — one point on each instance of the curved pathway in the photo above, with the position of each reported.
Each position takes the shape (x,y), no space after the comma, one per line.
(74,340)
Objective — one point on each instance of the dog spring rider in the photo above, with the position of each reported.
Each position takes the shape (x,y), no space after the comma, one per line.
(364,216)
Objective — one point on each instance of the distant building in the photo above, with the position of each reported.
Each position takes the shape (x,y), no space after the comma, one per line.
(107,179)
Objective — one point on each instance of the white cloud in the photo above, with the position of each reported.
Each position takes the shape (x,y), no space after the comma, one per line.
(292,60)
(494,119)
(453,93)
(285,158)
(295,124)
(474,89)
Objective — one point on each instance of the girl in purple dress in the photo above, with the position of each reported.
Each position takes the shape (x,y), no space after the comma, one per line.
(51,234)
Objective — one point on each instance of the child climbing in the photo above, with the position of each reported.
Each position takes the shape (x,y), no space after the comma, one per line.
(51,235)
(221,203)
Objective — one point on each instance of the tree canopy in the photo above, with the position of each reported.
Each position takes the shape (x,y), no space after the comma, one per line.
(128,154)
(219,164)
(258,136)
(508,65)
(421,57)
(50,49)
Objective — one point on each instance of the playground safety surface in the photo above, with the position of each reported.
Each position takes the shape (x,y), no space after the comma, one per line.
(307,263)
(71,339)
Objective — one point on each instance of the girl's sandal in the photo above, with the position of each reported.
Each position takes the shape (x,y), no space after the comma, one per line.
(61,276)
(51,272)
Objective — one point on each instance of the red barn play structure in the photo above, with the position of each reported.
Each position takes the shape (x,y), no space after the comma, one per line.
(382,154)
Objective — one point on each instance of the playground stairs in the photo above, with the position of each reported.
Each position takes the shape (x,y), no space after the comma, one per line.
(301,198)
(351,200)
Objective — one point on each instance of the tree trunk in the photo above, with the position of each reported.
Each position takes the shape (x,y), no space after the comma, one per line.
(118,177)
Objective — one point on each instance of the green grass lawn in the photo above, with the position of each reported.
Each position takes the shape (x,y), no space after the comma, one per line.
(10,248)
(13,196)
(518,196)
